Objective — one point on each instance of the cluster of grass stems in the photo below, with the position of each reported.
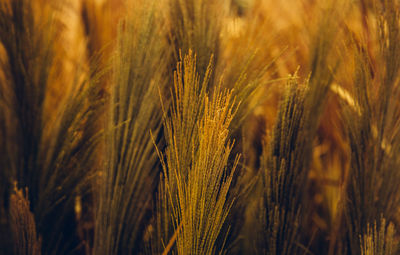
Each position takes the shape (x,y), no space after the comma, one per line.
(199,127)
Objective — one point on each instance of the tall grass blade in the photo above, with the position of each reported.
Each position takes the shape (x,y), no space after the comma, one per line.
(130,173)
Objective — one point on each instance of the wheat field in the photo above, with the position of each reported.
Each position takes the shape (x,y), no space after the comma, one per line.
(199,127)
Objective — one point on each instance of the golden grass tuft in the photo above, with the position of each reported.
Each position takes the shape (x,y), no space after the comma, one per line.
(195,179)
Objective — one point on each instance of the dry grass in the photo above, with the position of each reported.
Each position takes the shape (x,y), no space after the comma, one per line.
(199,127)
(197,153)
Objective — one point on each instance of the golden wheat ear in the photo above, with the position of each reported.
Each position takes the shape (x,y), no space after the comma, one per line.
(379,239)
(130,173)
(196,180)
(23,226)
(286,159)
(50,156)
(373,133)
